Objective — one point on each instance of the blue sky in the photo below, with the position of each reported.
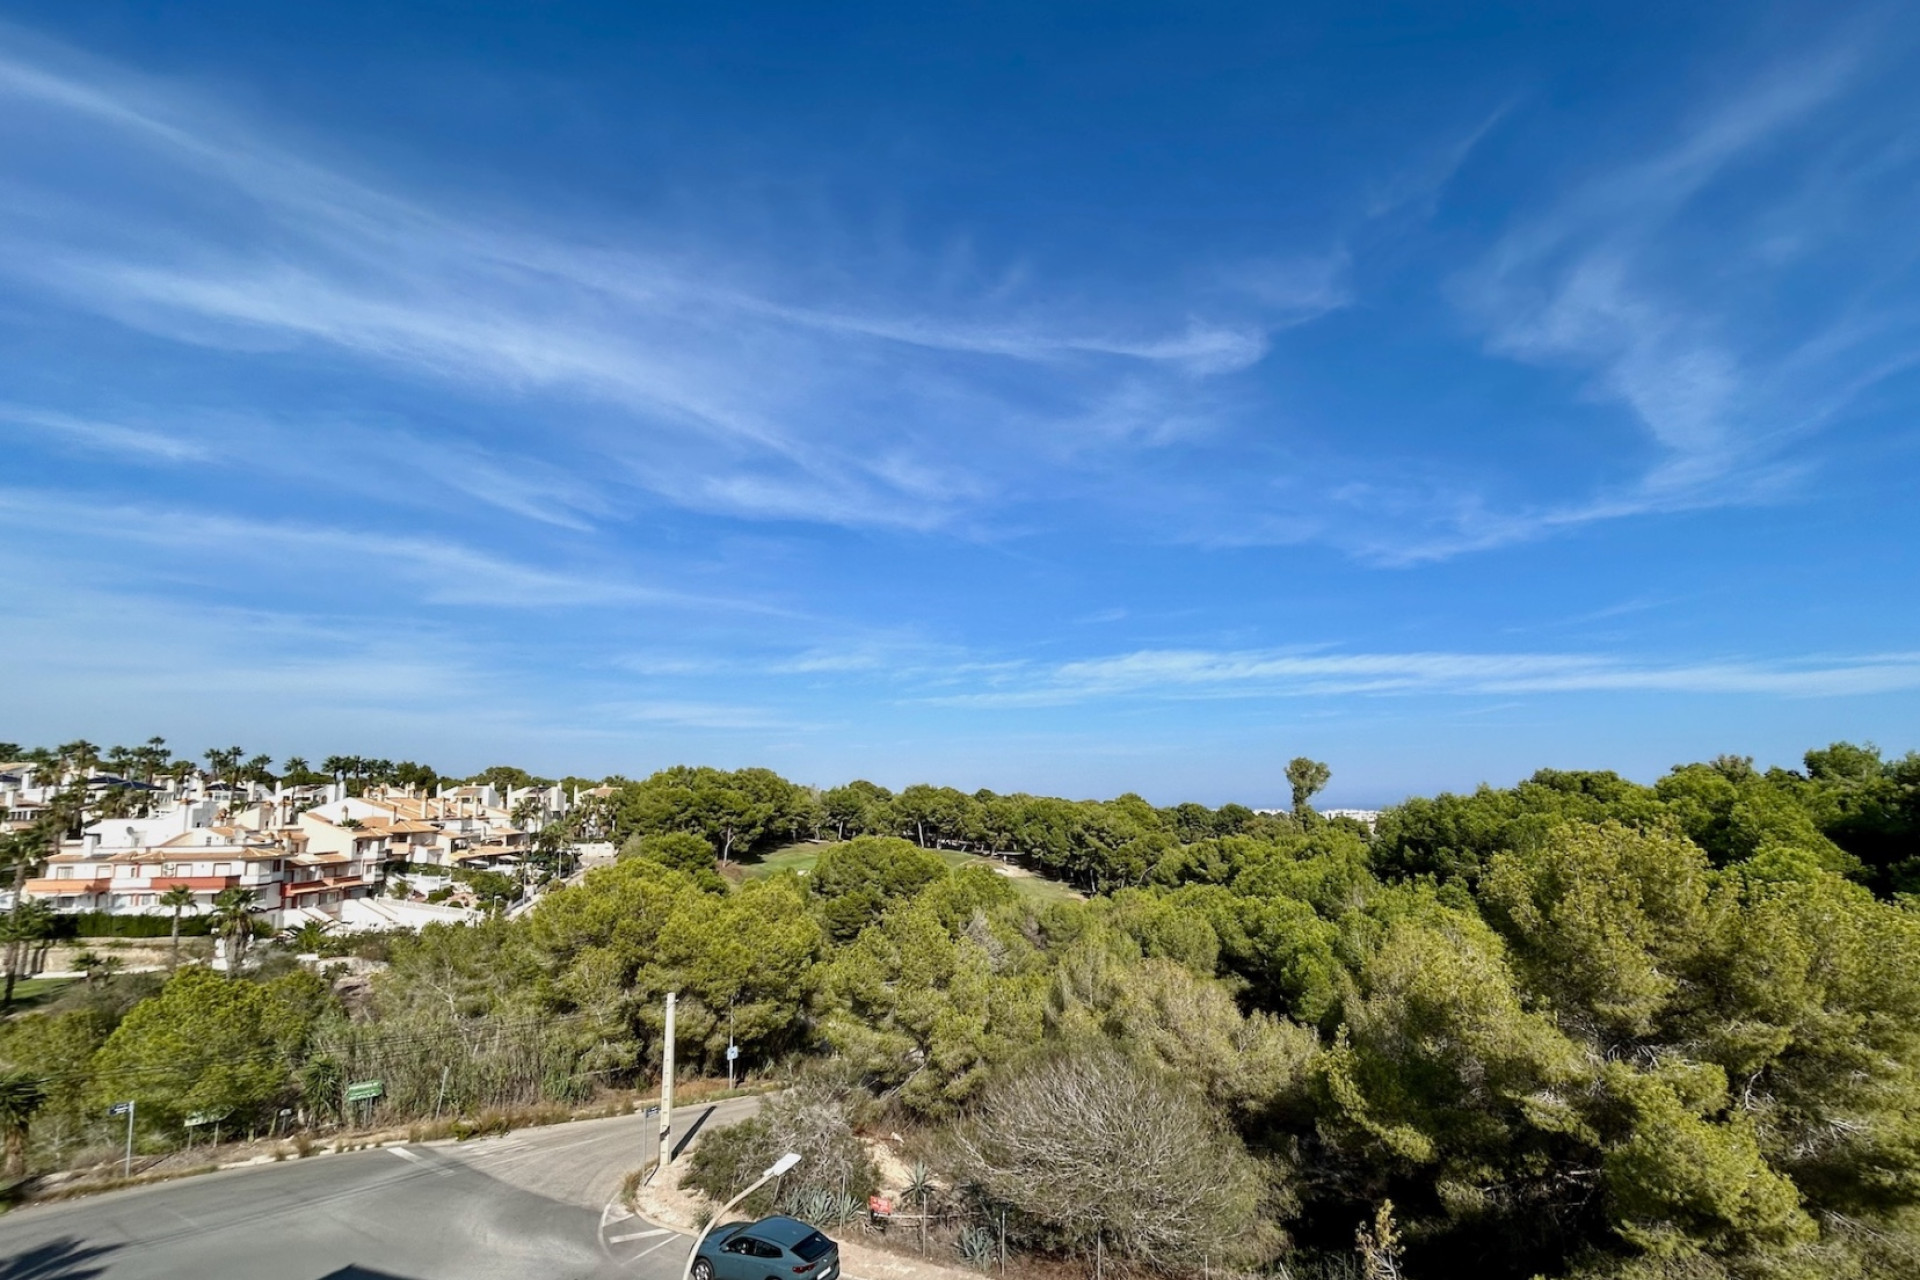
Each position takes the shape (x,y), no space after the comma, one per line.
(1075,398)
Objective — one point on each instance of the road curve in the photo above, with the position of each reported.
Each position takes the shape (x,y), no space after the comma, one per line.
(533,1205)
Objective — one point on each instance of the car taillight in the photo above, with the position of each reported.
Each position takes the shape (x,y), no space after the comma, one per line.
(800,1271)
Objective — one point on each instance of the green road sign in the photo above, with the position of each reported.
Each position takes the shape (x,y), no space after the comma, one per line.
(365,1090)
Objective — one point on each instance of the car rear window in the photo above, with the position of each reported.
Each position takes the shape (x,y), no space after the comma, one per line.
(813,1246)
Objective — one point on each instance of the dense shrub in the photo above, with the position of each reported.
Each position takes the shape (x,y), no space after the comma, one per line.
(813,1121)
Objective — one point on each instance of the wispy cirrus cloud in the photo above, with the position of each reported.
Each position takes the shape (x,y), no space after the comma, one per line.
(435,570)
(1207,673)
(1660,281)
(692,372)
(104,437)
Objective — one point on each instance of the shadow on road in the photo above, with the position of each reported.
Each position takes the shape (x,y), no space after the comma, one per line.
(692,1132)
(353,1272)
(57,1260)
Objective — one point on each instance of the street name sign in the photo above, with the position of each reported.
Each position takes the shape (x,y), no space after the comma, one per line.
(365,1090)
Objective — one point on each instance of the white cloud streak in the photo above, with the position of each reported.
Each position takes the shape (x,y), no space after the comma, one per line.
(725,397)
(1599,284)
(1203,673)
(104,437)
(436,571)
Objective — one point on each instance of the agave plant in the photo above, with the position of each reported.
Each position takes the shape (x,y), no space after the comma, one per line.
(976,1246)
(920,1187)
(824,1206)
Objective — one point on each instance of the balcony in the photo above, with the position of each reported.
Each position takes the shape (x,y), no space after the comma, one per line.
(50,886)
(199,884)
(325,882)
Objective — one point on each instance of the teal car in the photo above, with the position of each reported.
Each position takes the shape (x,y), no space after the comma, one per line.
(776,1248)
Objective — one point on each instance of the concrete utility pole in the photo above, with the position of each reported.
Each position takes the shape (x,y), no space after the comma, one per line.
(666,1090)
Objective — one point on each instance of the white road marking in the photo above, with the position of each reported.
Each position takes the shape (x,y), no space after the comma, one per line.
(412,1157)
(637,1235)
(650,1248)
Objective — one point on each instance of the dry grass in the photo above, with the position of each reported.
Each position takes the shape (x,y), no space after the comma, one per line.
(77,1188)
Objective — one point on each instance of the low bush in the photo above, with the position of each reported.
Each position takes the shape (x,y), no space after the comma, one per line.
(813,1120)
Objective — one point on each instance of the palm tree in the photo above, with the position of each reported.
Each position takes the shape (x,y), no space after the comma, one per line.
(221,763)
(118,802)
(179,898)
(28,926)
(66,814)
(79,757)
(530,810)
(309,936)
(233,920)
(89,963)
(21,1094)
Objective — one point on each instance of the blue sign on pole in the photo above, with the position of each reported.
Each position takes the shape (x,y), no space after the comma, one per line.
(120,1109)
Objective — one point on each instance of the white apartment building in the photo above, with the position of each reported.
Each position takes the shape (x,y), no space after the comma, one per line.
(307,853)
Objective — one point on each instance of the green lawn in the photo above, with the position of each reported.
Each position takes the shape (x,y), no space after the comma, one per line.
(802,857)
(29,993)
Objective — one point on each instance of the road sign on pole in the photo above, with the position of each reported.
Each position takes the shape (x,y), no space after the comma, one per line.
(125,1109)
(365,1090)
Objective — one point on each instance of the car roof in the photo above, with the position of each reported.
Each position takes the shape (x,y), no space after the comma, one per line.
(781,1229)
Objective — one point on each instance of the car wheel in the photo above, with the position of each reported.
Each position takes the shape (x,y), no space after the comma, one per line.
(702,1270)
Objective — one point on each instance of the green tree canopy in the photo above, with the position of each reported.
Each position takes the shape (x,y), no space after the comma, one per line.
(208,1045)
(856,882)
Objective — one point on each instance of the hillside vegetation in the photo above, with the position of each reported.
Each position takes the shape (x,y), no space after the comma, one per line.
(1577,1027)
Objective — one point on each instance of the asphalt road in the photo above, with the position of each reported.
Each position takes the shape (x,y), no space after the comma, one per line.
(533,1205)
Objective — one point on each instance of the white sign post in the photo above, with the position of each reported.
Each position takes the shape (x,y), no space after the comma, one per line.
(125,1109)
